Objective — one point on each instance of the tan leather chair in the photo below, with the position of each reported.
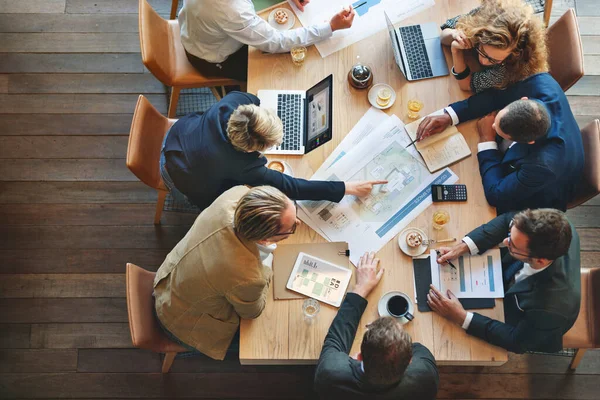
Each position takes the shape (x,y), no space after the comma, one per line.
(565,50)
(585,334)
(164,55)
(148,129)
(144,328)
(590,183)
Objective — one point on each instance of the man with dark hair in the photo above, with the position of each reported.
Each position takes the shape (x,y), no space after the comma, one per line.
(524,121)
(530,153)
(542,281)
(389,365)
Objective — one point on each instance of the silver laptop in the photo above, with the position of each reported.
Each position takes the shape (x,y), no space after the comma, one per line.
(418,50)
(307,116)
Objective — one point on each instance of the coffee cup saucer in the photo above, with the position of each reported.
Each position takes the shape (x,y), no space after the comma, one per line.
(382,306)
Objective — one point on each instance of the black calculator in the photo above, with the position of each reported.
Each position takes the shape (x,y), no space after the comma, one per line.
(449,192)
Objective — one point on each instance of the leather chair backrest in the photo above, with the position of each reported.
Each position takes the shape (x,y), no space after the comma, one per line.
(594,304)
(566,51)
(148,129)
(140,307)
(155,42)
(590,182)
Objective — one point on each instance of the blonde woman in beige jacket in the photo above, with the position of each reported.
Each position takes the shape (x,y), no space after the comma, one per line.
(215,275)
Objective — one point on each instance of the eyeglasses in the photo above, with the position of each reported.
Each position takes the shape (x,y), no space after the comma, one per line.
(293,230)
(510,244)
(483,54)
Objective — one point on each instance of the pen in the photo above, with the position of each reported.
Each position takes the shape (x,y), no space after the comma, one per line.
(413,142)
(449,263)
(361,4)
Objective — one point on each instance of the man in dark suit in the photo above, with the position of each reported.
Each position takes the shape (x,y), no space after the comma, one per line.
(389,365)
(542,281)
(530,153)
(206,154)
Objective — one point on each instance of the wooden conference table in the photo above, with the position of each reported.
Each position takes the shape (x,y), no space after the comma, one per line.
(280,335)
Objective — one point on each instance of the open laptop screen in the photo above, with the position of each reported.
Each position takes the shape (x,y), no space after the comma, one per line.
(395,44)
(319,112)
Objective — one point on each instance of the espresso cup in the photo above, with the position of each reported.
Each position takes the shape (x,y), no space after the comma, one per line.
(397,306)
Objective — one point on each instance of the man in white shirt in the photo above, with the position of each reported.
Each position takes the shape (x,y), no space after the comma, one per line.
(216,33)
(542,280)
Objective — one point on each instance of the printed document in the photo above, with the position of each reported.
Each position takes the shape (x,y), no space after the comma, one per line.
(478,276)
(368,223)
(369,18)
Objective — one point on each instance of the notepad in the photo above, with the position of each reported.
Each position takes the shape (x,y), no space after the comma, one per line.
(440,150)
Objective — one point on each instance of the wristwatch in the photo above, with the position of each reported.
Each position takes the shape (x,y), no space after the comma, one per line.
(463,75)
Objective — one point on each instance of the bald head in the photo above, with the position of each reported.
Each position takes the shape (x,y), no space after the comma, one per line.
(524,120)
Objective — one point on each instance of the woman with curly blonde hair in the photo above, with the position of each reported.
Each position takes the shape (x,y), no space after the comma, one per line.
(508,41)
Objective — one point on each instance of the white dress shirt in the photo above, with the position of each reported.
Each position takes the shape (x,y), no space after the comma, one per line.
(214,29)
(266,253)
(523,273)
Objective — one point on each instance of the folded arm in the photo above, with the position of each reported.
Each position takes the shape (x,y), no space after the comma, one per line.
(504,190)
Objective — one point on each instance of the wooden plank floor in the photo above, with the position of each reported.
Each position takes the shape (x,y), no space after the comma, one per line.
(71,216)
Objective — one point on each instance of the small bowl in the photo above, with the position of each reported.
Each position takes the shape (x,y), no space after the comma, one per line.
(373,95)
(286,167)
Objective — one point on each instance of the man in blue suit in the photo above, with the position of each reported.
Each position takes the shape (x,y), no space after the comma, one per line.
(530,152)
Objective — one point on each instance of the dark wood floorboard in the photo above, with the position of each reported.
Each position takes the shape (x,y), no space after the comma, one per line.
(72,216)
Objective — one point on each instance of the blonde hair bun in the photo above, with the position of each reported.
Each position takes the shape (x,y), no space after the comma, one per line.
(253,128)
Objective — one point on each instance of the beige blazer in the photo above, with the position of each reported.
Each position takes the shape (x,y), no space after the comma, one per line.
(210,280)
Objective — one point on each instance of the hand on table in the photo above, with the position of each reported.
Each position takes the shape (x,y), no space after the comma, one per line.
(447,306)
(485,128)
(433,124)
(368,274)
(343,19)
(451,253)
(301,4)
(361,188)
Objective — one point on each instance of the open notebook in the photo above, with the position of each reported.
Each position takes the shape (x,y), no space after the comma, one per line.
(439,151)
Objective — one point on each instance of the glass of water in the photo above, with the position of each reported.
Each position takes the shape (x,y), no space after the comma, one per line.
(310,309)
(298,55)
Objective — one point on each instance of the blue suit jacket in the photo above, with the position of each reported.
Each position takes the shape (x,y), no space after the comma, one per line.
(543,174)
(204,164)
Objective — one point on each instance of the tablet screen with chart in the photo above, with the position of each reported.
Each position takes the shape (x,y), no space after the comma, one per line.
(319,114)
(319,279)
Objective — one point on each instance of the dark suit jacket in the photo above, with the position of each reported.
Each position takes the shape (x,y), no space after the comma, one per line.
(538,310)
(543,174)
(338,376)
(203,164)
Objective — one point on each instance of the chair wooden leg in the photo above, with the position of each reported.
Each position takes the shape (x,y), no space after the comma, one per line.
(547,12)
(168,361)
(174,4)
(216,93)
(577,358)
(173,102)
(160,203)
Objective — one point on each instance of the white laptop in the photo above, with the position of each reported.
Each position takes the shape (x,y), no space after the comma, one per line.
(307,116)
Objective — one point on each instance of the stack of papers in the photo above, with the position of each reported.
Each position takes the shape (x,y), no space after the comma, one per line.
(375,149)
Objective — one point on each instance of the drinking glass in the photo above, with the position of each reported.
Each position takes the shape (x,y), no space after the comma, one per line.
(298,55)
(440,219)
(414,106)
(310,309)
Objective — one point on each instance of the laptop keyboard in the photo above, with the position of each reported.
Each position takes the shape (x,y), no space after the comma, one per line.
(416,53)
(289,109)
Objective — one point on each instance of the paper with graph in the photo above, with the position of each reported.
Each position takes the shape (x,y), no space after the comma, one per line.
(478,276)
(369,18)
(319,279)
